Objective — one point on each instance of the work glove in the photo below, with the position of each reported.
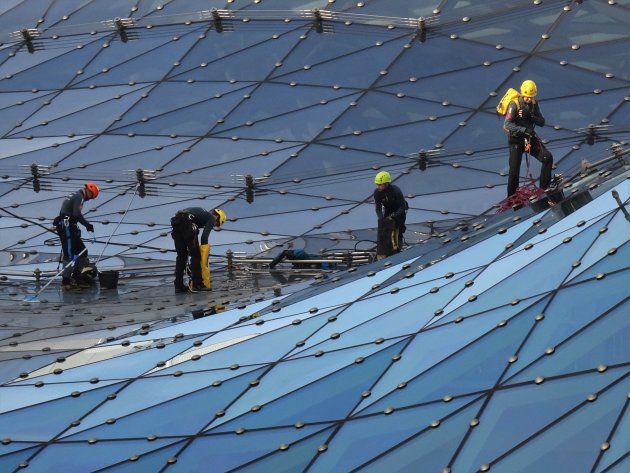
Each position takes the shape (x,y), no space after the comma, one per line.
(89,227)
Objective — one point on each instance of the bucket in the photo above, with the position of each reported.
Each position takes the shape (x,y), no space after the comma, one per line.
(108,279)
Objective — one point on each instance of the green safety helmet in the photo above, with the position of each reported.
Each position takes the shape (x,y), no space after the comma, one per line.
(382,177)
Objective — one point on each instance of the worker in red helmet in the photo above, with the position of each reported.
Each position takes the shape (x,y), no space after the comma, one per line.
(72,247)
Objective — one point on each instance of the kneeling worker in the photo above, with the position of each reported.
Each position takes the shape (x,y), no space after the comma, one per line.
(186,224)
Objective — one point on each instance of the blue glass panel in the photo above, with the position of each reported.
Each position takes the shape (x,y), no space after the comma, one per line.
(152,65)
(302,125)
(572,444)
(148,461)
(278,338)
(331,397)
(620,467)
(148,7)
(287,377)
(476,367)
(390,8)
(577,114)
(22,14)
(44,421)
(321,48)
(512,415)
(406,312)
(232,450)
(271,100)
(604,58)
(55,73)
(404,139)
(358,440)
(23,395)
(430,451)
(252,63)
(12,116)
(297,458)
(57,10)
(205,60)
(588,24)
(10,462)
(438,56)
(522,35)
(92,120)
(124,366)
(339,295)
(193,120)
(547,276)
(597,260)
(15,447)
(68,101)
(94,11)
(80,457)
(571,309)
(603,343)
(360,69)
(619,445)
(431,347)
(381,108)
(168,97)
(184,415)
(10,369)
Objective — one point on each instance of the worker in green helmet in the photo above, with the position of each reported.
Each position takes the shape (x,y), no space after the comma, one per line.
(391,210)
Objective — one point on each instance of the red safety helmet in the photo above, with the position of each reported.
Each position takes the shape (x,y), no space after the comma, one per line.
(93,188)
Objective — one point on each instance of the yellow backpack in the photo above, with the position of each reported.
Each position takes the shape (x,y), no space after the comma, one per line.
(511,95)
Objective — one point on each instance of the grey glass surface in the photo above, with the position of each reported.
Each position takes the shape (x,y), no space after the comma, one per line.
(484,300)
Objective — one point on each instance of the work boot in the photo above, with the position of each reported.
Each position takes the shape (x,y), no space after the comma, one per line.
(68,284)
(180,289)
(198,288)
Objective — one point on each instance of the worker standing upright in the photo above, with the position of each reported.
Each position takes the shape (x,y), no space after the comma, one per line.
(72,247)
(391,210)
(185,230)
(522,116)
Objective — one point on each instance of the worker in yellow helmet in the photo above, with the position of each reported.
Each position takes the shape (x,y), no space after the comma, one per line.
(521,118)
(185,232)
(391,210)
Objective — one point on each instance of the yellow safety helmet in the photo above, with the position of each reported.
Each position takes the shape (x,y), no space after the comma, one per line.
(222,216)
(382,178)
(528,89)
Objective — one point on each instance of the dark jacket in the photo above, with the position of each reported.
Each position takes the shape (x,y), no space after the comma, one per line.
(390,202)
(203,219)
(518,127)
(72,207)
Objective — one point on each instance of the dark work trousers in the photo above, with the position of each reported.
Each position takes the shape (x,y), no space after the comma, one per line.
(389,238)
(71,247)
(185,235)
(538,151)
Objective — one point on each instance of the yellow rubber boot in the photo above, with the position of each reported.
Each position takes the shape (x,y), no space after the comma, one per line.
(205,267)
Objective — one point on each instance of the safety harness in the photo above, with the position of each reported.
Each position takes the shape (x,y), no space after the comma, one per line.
(528,191)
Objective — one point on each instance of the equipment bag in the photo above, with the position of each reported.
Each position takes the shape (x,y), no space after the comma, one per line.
(511,95)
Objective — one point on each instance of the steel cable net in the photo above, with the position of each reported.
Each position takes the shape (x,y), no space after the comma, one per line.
(281,113)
